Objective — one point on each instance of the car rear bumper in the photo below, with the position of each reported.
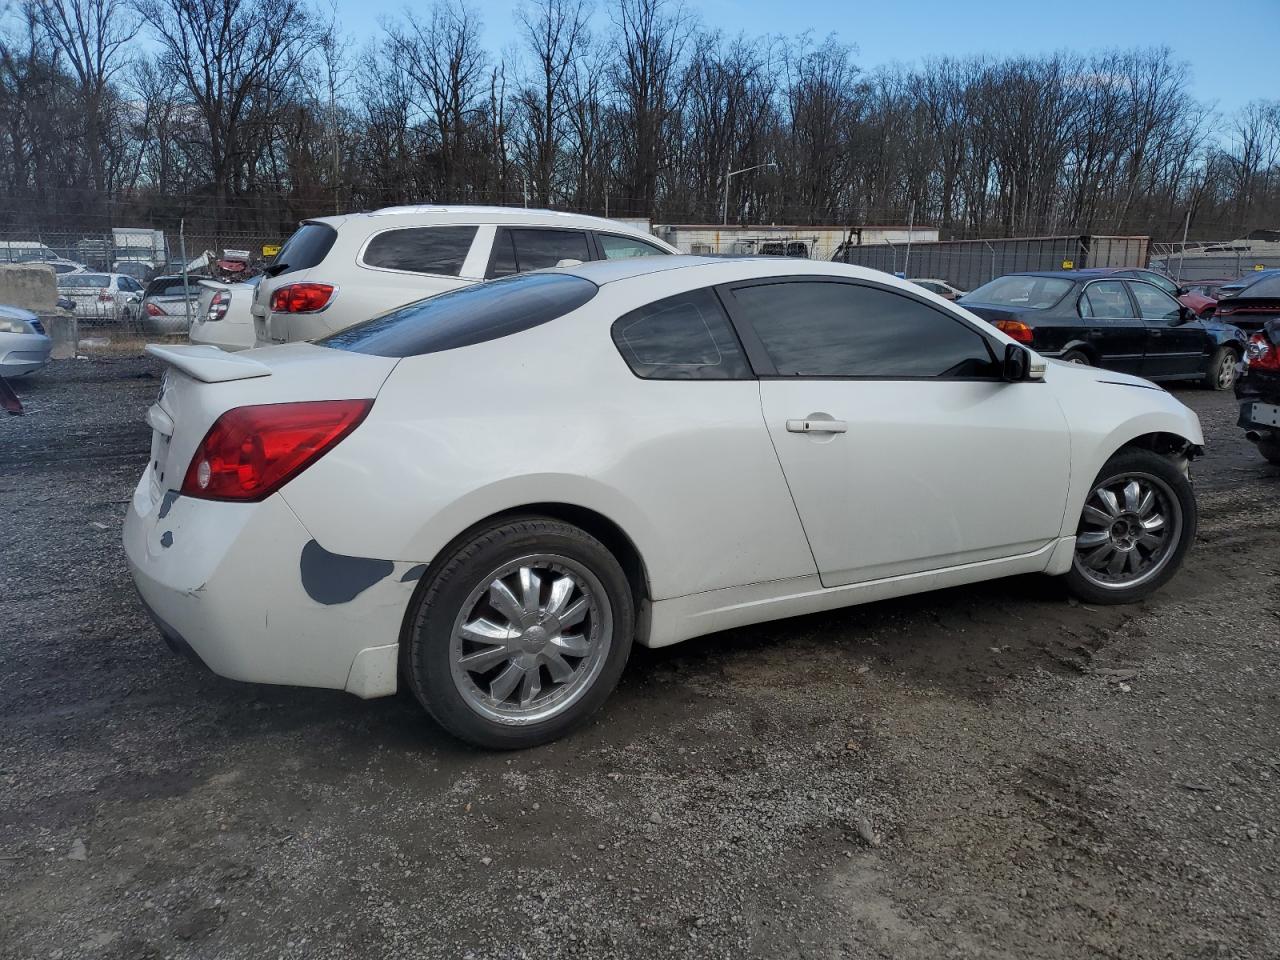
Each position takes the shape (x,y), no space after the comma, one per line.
(247,591)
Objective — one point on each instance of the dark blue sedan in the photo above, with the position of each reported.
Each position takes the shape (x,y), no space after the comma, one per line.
(1117,323)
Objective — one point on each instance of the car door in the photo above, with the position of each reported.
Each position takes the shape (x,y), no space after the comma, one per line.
(1174,348)
(903,449)
(1111,327)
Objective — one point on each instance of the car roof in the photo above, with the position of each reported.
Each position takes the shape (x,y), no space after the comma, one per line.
(731,269)
(463,213)
(1059,274)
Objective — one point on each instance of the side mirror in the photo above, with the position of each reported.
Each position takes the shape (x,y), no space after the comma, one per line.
(1182,292)
(1185,314)
(1017,364)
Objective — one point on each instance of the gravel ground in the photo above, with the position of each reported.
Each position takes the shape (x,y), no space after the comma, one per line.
(992,771)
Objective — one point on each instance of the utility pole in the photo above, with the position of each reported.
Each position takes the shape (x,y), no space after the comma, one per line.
(724,219)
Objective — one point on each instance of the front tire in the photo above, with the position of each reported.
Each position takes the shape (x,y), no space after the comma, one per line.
(1221,373)
(1137,524)
(520,633)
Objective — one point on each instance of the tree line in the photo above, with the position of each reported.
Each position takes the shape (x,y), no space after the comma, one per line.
(248,115)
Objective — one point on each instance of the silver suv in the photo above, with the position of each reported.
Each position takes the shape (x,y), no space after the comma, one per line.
(338,271)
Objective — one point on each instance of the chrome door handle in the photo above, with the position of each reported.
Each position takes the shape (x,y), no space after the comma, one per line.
(817,426)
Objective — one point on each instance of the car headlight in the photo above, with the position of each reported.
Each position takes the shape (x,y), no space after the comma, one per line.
(8,325)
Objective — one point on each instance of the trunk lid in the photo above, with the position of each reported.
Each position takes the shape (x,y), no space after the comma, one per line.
(201,383)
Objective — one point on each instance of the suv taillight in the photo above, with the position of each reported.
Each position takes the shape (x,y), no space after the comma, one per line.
(251,452)
(301,297)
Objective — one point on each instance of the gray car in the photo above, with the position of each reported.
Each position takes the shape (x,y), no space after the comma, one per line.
(169,303)
(24,347)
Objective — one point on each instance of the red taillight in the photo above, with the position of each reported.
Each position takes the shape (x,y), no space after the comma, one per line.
(218,305)
(301,297)
(154,311)
(1260,355)
(250,452)
(1016,329)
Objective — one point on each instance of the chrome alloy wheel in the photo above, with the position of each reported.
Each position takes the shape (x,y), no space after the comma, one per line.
(1225,375)
(531,639)
(1129,530)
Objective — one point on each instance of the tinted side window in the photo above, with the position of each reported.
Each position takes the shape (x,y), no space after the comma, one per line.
(816,329)
(685,337)
(460,318)
(1164,283)
(622,248)
(534,249)
(1154,304)
(1105,300)
(306,248)
(439,250)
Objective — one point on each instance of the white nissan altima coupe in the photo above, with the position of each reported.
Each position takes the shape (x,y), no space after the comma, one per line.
(494,492)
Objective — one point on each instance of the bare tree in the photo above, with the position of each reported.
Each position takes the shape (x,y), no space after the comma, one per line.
(235,60)
(442,56)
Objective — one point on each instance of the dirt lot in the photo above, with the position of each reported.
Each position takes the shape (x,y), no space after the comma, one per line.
(982,772)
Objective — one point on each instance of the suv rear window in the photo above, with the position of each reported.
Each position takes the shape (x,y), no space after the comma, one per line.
(439,250)
(307,248)
(460,318)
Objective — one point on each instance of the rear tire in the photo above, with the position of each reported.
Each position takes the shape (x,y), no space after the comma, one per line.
(1077,356)
(1127,546)
(1270,449)
(1221,373)
(520,633)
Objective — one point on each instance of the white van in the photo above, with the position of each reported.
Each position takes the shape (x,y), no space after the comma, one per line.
(335,272)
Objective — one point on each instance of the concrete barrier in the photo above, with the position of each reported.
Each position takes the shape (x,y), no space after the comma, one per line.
(30,286)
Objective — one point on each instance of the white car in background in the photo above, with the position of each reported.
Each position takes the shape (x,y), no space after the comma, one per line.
(334,272)
(493,492)
(222,316)
(102,296)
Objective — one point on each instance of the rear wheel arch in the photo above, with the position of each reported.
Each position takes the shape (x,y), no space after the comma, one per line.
(1080,346)
(604,529)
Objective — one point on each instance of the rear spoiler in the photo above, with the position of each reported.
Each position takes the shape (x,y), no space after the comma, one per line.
(208,363)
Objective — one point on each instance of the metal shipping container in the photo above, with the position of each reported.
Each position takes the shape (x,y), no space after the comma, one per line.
(970,263)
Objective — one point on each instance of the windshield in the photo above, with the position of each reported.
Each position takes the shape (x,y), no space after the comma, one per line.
(1020,290)
(169,287)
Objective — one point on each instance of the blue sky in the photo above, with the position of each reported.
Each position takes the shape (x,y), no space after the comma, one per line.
(1232,46)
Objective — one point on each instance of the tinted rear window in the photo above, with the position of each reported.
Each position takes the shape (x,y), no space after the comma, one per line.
(1032,293)
(84,280)
(307,248)
(460,318)
(439,250)
(168,287)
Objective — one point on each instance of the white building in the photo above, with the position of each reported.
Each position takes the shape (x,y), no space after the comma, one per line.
(787,240)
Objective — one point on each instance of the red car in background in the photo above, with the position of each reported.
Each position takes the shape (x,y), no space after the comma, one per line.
(1199,304)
